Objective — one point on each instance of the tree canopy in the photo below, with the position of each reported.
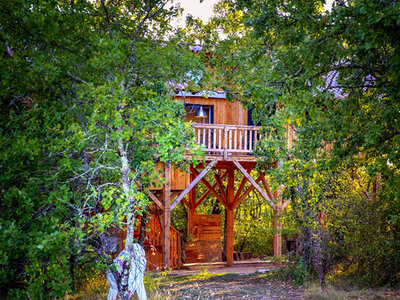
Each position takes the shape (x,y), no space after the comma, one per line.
(332,77)
(87,112)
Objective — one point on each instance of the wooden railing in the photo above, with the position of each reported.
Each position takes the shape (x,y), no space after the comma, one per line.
(227,140)
(154,237)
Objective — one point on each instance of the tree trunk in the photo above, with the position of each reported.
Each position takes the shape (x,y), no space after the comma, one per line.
(319,262)
(130,221)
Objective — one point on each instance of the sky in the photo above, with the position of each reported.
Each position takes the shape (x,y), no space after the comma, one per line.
(204,10)
(195,8)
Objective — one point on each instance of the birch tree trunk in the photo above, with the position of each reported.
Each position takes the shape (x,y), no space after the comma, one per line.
(130,221)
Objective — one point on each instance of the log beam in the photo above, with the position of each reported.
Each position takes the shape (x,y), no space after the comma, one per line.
(241,187)
(220,185)
(167,218)
(277,238)
(208,192)
(266,187)
(242,197)
(254,183)
(210,188)
(229,217)
(155,199)
(193,183)
(192,206)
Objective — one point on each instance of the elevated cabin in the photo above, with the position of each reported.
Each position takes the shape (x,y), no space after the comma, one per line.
(226,131)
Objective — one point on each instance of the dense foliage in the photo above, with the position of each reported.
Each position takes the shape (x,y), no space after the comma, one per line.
(331,76)
(87,111)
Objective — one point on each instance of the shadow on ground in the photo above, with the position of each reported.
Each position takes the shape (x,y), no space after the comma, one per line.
(229,286)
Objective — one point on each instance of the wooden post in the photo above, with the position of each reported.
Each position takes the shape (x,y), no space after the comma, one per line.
(229,216)
(191,206)
(277,239)
(193,183)
(229,237)
(167,218)
(277,242)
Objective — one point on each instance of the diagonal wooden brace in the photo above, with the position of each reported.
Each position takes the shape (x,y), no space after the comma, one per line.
(154,198)
(254,183)
(212,190)
(193,183)
(202,198)
(220,186)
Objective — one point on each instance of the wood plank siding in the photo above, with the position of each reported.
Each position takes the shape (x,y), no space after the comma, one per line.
(225,112)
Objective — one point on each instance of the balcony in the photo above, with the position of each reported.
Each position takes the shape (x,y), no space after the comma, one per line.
(228,141)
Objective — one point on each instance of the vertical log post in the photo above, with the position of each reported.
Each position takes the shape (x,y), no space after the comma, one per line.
(229,237)
(277,239)
(192,206)
(229,216)
(277,232)
(167,217)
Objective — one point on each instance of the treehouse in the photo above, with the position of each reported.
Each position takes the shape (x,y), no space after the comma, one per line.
(226,131)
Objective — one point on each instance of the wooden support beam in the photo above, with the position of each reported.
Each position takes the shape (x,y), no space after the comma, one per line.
(220,186)
(277,238)
(193,183)
(255,184)
(155,199)
(266,186)
(285,204)
(208,192)
(167,218)
(184,201)
(229,237)
(209,186)
(191,207)
(246,193)
(173,195)
(191,212)
(241,187)
(229,217)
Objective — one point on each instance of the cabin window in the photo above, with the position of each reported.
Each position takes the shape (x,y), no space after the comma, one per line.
(194,113)
(250,120)
(270,111)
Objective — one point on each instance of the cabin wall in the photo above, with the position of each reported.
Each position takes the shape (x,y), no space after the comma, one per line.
(225,112)
(179,179)
(205,239)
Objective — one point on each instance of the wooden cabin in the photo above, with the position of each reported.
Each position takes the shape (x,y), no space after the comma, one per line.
(226,131)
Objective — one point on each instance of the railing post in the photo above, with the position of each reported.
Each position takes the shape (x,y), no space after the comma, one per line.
(226,142)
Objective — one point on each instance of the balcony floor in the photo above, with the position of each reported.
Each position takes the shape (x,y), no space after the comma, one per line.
(220,157)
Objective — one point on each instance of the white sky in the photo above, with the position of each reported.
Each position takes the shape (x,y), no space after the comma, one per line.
(195,8)
(204,10)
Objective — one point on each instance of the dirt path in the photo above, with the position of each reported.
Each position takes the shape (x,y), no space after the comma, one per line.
(244,267)
(229,286)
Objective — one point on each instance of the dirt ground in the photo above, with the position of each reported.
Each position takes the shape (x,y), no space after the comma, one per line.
(241,281)
(229,286)
(251,281)
(243,267)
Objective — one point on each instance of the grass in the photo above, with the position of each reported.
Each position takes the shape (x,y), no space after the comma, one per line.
(350,292)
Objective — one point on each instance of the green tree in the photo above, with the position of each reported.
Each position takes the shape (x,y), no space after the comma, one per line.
(86,93)
(332,76)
